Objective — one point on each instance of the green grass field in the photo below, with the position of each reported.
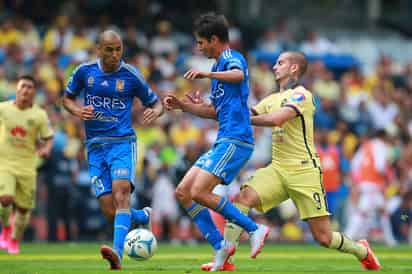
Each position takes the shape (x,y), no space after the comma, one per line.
(275,258)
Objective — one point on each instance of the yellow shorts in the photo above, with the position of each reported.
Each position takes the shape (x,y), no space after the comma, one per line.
(21,186)
(304,187)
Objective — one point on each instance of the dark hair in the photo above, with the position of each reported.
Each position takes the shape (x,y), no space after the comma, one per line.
(300,59)
(210,24)
(28,78)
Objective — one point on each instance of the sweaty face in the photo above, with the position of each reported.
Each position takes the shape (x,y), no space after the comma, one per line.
(111,51)
(25,92)
(204,46)
(282,68)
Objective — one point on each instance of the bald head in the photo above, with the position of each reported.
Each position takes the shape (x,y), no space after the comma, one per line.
(109,36)
(110,50)
(298,58)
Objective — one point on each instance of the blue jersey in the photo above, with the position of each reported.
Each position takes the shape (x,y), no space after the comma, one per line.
(111,95)
(230,99)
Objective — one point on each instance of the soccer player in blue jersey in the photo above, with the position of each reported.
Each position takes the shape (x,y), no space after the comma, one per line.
(233,146)
(109,86)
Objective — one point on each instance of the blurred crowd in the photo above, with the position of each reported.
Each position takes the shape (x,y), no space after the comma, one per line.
(354,109)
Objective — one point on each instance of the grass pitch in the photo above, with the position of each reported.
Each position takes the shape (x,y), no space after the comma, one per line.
(275,258)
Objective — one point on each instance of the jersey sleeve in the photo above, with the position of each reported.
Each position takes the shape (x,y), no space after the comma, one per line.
(260,108)
(300,100)
(76,81)
(233,63)
(46,130)
(142,89)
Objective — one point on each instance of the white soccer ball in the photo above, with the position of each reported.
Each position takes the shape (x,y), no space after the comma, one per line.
(140,244)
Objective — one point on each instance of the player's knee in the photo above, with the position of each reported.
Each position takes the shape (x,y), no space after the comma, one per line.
(247,197)
(197,195)
(6,200)
(182,194)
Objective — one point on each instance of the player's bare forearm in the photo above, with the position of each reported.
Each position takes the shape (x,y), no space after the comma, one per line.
(274,119)
(150,114)
(83,112)
(72,106)
(203,110)
(158,108)
(231,76)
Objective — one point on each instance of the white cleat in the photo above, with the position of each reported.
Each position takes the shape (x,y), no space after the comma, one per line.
(223,254)
(148,211)
(257,240)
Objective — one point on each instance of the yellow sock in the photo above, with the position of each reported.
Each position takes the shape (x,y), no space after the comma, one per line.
(5,214)
(20,223)
(232,231)
(343,244)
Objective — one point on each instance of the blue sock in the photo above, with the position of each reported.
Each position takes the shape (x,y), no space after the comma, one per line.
(139,216)
(234,215)
(122,222)
(204,222)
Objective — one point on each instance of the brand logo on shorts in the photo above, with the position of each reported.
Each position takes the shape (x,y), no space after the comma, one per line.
(98,184)
(121,172)
(208,162)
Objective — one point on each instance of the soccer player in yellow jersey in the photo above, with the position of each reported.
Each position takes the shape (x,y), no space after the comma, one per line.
(22,125)
(294,171)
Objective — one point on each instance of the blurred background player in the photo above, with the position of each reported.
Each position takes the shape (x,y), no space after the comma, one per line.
(109,87)
(370,166)
(233,146)
(22,123)
(334,168)
(295,170)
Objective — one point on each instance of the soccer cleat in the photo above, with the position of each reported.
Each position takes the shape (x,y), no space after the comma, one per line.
(257,240)
(227,266)
(371,262)
(13,247)
(222,255)
(5,237)
(148,211)
(110,255)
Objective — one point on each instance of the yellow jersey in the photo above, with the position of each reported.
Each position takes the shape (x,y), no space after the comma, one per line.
(19,132)
(292,144)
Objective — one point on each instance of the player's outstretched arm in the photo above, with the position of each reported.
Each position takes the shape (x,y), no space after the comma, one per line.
(83,112)
(277,118)
(152,113)
(200,108)
(231,76)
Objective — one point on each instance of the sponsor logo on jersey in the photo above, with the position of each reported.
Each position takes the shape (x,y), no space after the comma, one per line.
(99,116)
(298,97)
(105,83)
(105,102)
(18,131)
(90,81)
(119,85)
(218,91)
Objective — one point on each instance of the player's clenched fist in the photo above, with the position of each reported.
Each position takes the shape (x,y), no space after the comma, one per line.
(87,112)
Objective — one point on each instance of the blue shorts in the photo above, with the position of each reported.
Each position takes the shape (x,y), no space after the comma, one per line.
(111,161)
(225,159)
